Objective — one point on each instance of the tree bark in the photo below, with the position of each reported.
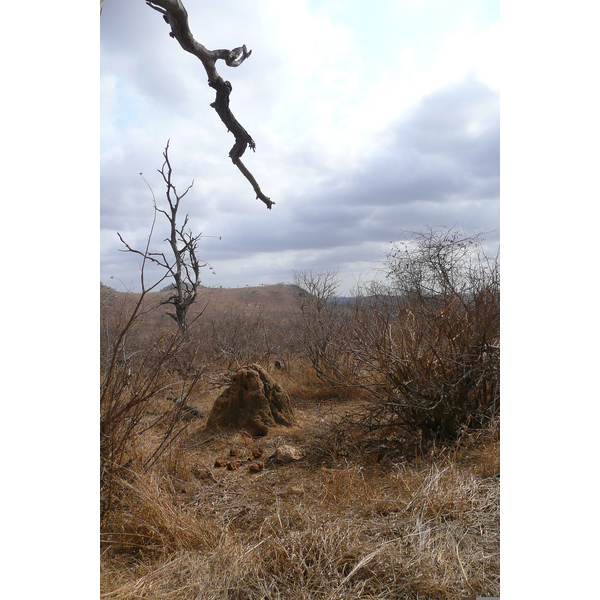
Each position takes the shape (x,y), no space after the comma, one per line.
(175,14)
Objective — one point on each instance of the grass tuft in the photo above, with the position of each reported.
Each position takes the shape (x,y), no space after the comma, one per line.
(418,528)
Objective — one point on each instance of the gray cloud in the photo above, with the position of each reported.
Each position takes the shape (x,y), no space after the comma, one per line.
(437,164)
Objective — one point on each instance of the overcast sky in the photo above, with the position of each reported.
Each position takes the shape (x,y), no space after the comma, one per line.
(369,119)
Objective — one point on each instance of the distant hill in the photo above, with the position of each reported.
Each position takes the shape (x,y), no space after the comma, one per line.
(280,297)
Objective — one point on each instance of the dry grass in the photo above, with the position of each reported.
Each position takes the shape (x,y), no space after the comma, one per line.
(345,522)
(426,528)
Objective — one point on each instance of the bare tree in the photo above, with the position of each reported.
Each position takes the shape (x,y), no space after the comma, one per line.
(323,321)
(176,16)
(185,267)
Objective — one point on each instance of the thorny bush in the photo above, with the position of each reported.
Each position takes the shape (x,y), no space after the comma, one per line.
(424,343)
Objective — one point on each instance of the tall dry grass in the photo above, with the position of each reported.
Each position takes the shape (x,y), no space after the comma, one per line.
(422,529)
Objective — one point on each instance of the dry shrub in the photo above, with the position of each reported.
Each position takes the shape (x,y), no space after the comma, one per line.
(424,344)
(322,326)
(139,365)
(431,336)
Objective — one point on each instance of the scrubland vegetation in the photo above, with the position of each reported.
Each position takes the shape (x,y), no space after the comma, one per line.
(396,395)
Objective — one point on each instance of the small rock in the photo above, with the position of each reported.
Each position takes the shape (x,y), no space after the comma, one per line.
(255,467)
(233,465)
(286,454)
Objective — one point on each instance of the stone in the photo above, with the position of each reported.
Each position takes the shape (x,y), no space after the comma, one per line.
(255,467)
(253,402)
(286,454)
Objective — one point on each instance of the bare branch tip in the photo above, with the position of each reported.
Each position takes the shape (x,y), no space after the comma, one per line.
(156,8)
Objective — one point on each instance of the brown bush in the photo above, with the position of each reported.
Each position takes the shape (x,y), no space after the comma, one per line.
(429,339)
(423,344)
(137,366)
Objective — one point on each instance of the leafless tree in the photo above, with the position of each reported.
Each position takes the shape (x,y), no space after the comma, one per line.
(185,265)
(176,16)
(323,324)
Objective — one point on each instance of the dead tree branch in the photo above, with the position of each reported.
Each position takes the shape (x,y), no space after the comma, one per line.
(175,14)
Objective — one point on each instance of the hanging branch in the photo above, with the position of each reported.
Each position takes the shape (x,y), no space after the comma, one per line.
(176,16)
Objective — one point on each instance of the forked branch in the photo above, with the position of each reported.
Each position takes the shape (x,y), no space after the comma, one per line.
(175,14)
